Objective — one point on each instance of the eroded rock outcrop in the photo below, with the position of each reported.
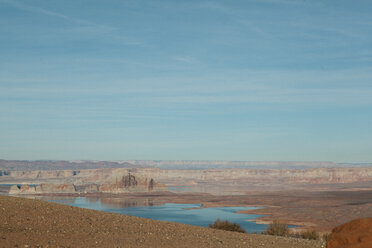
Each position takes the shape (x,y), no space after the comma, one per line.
(14,190)
(147,179)
(285,176)
(131,183)
(55,188)
(117,183)
(354,234)
(89,188)
(42,189)
(109,175)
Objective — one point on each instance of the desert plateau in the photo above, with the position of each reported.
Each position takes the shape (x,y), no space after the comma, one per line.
(309,199)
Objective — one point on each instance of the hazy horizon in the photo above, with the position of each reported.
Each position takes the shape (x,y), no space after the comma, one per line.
(256,80)
(189,160)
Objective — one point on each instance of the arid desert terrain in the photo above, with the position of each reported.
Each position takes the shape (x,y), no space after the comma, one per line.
(34,223)
(312,196)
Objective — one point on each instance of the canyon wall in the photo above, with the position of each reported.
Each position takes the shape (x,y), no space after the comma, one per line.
(220,164)
(43,189)
(114,176)
(285,176)
(86,181)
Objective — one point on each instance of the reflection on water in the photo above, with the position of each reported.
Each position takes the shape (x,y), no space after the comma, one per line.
(103,202)
(183,213)
(127,203)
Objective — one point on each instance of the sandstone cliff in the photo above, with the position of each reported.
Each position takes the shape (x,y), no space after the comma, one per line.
(284,176)
(113,175)
(114,183)
(147,179)
(131,183)
(220,164)
(43,189)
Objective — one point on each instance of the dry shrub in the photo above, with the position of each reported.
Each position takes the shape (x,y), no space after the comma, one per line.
(227,226)
(306,235)
(309,235)
(326,236)
(277,229)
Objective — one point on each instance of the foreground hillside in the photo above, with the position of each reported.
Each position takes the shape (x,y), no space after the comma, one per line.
(30,223)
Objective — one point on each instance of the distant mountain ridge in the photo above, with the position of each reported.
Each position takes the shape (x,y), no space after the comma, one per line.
(220,164)
(167,164)
(60,165)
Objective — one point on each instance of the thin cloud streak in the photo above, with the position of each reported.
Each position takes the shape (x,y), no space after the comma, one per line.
(294,82)
(26,7)
(86,27)
(235,16)
(318,97)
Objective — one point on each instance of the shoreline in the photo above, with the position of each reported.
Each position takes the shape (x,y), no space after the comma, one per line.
(309,210)
(261,219)
(31,223)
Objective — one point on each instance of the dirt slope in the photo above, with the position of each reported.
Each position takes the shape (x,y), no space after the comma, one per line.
(32,223)
(354,234)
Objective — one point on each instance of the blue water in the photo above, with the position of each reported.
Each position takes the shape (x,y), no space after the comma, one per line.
(180,213)
(178,188)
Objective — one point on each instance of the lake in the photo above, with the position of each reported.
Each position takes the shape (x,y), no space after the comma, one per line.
(182,213)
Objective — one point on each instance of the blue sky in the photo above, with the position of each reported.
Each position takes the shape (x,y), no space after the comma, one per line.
(220,80)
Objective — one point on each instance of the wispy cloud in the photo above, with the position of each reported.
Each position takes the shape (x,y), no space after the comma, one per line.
(229,86)
(90,29)
(25,7)
(235,15)
(316,97)
(83,26)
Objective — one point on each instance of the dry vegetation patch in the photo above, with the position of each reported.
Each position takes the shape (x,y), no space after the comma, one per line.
(227,226)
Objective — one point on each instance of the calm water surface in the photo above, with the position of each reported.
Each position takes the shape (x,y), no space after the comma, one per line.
(181,213)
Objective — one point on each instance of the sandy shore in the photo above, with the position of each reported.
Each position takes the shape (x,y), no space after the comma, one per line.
(34,223)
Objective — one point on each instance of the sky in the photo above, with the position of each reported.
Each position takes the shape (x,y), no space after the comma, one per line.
(249,80)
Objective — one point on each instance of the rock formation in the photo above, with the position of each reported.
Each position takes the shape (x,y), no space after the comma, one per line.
(43,189)
(285,176)
(147,179)
(122,182)
(220,164)
(354,234)
(131,183)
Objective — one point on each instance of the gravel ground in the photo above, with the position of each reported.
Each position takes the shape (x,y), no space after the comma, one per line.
(34,223)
